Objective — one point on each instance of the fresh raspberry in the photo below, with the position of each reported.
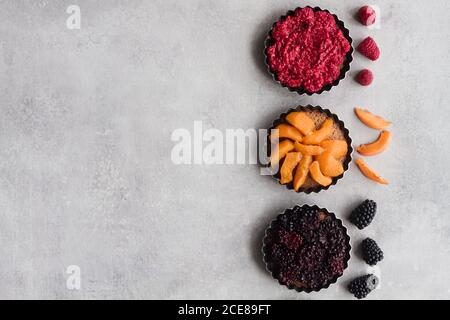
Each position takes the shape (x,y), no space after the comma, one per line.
(368,47)
(365,77)
(367,15)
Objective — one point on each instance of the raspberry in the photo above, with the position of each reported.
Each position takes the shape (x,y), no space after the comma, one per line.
(291,240)
(369,48)
(367,15)
(365,77)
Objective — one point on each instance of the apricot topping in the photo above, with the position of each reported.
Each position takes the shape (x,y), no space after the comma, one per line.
(290,162)
(301,121)
(317,175)
(318,136)
(286,131)
(329,166)
(369,173)
(377,146)
(301,173)
(308,150)
(280,152)
(337,148)
(371,120)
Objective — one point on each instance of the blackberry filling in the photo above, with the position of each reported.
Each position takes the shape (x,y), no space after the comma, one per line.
(306,248)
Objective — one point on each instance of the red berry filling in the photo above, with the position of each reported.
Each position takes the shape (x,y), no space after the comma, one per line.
(307,50)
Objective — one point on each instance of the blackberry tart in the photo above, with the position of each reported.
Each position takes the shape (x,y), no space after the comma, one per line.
(306,248)
(309,149)
(308,50)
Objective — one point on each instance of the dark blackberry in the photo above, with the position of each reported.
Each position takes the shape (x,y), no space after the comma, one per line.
(320,278)
(284,221)
(311,256)
(362,286)
(281,256)
(337,266)
(372,253)
(304,218)
(363,215)
(309,222)
(309,212)
(328,224)
(297,210)
(338,249)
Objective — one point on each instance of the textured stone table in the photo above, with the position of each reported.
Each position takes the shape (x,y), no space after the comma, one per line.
(86,177)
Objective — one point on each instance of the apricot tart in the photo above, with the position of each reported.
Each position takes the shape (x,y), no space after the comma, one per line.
(308,50)
(306,248)
(310,149)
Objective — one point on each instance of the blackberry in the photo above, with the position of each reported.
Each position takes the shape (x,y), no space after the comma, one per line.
(311,256)
(372,253)
(281,255)
(297,210)
(362,286)
(337,266)
(310,212)
(284,222)
(363,215)
(320,278)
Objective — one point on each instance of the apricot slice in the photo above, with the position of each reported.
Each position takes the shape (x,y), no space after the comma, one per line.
(317,175)
(290,162)
(371,120)
(329,166)
(369,173)
(308,150)
(318,136)
(301,121)
(337,148)
(286,131)
(377,146)
(302,171)
(280,152)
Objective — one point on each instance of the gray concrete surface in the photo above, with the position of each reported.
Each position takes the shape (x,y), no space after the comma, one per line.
(86,177)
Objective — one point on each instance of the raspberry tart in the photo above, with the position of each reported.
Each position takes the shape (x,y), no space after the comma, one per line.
(308,50)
